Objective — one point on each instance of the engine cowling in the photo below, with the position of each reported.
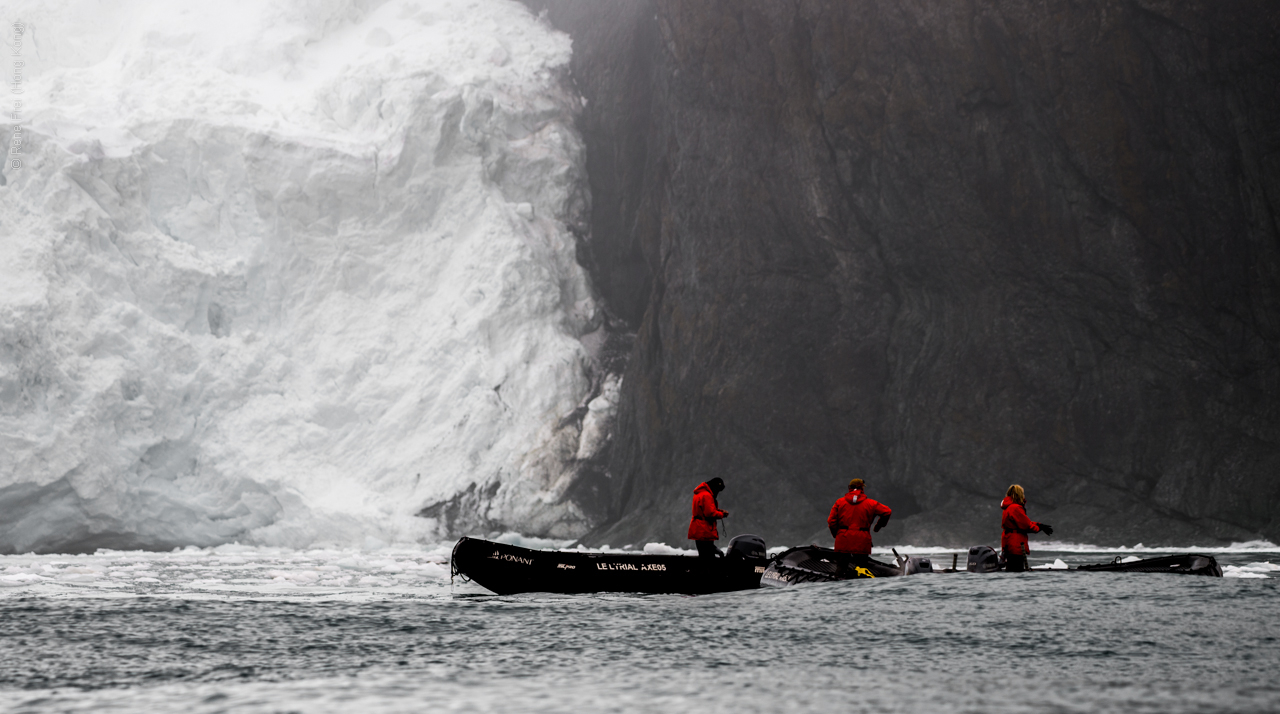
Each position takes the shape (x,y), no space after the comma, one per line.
(747,546)
(983,559)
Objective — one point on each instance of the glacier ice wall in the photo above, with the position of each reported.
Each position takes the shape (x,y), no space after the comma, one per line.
(285,273)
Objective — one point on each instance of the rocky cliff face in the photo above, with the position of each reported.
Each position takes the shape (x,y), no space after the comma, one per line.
(945,247)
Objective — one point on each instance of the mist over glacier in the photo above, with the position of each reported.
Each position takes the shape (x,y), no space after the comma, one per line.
(288,273)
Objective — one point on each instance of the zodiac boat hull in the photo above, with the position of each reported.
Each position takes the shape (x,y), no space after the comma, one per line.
(985,559)
(508,570)
(815,564)
(1183,564)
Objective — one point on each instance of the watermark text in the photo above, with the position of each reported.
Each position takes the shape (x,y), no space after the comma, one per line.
(17,73)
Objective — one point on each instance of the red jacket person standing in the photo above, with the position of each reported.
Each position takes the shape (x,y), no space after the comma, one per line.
(702,526)
(1016,525)
(850,523)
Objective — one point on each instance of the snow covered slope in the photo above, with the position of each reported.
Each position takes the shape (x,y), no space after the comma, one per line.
(286,273)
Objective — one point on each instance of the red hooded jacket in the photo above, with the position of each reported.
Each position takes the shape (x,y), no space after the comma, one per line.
(1016,526)
(705,512)
(851,518)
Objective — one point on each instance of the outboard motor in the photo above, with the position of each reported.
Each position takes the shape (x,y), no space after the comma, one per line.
(983,559)
(916,564)
(747,546)
(912,564)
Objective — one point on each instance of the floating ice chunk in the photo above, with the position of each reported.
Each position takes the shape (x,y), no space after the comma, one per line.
(522,541)
(904,550)
(1130,559)
(20,579)
(336,582)
(296,576)
(203,573)
(1262,545)
(1259,546)
(235,549)
(1252,570)
(1232,571)
(664,549)
(78,578)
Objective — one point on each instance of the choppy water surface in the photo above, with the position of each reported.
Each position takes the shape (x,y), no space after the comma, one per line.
(257,630)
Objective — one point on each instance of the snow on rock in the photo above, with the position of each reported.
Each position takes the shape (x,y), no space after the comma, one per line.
(286,273)
(600,416)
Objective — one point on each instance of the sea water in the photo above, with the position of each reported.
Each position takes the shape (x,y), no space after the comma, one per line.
(236,629)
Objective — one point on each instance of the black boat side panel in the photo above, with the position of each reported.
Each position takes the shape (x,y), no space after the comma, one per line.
(507,569)
(1182,564)
(983,559)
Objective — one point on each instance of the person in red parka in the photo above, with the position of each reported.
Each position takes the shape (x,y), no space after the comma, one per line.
(702,526)
(1016,525)
(850,523)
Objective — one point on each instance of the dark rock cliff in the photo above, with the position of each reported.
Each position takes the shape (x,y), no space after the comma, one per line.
(945,247)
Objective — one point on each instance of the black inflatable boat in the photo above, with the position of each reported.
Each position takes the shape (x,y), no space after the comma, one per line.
(1185,564)
(815,564)
(508,569)
(984,559)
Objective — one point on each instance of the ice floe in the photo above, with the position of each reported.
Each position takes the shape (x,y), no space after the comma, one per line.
(1264,569)
(232,571)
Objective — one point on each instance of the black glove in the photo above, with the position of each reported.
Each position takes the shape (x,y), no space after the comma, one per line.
(880,523)
(1046,529)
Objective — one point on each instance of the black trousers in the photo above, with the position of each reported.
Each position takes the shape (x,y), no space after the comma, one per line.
(1016,563)
(708,549)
